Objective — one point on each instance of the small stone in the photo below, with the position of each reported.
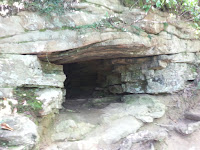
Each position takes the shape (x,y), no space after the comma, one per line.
(193,115)
(186,129)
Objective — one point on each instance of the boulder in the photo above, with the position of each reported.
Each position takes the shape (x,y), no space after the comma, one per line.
(188,128)
(24,132)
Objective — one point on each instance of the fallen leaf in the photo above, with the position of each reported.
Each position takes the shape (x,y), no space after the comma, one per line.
(6,127)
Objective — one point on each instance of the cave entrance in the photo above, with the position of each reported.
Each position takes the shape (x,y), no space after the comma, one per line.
(90,81)
(98,79)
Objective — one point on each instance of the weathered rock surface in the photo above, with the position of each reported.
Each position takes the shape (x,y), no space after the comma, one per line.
(28,71)
(119,128)
(71,130)
(24,134)
(6,92)
(189,128)
(143,137)
(153,38)
(143,107)
(51,98)
(106,126)
(193,114)
(158,74)
(102,136)
(73,38)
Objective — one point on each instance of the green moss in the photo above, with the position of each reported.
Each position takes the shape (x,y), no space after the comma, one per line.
(26,30)
(23,42)
(149,36)
(165,25)
(27,101)
(42,30)
(193,69)
(4,143)
(5,37)
(67,28)
(131,100)
(137,29)
(104,23)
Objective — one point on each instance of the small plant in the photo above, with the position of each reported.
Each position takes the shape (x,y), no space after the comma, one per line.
(46,6)
(104,23)
(42,30)
(193,69)
(27,100)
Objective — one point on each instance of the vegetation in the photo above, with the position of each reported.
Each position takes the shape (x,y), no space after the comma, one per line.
(190,9)
(27,101)
(46,6)
(187,8)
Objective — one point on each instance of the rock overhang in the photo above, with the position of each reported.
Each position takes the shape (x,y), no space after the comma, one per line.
(131,33)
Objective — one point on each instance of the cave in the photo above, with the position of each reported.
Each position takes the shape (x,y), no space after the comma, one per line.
(84,79)
(88,80)
(107,80)
(103,80)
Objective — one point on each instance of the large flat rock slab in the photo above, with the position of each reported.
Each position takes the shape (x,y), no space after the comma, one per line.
(79,36)
(28,71)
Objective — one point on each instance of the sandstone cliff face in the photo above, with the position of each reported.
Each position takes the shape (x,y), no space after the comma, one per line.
(140,53)
(89,34)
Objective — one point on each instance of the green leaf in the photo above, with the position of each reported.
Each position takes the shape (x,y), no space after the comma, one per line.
(149,36)
(158,4)
(107,15)
(146,7)
(165,25)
